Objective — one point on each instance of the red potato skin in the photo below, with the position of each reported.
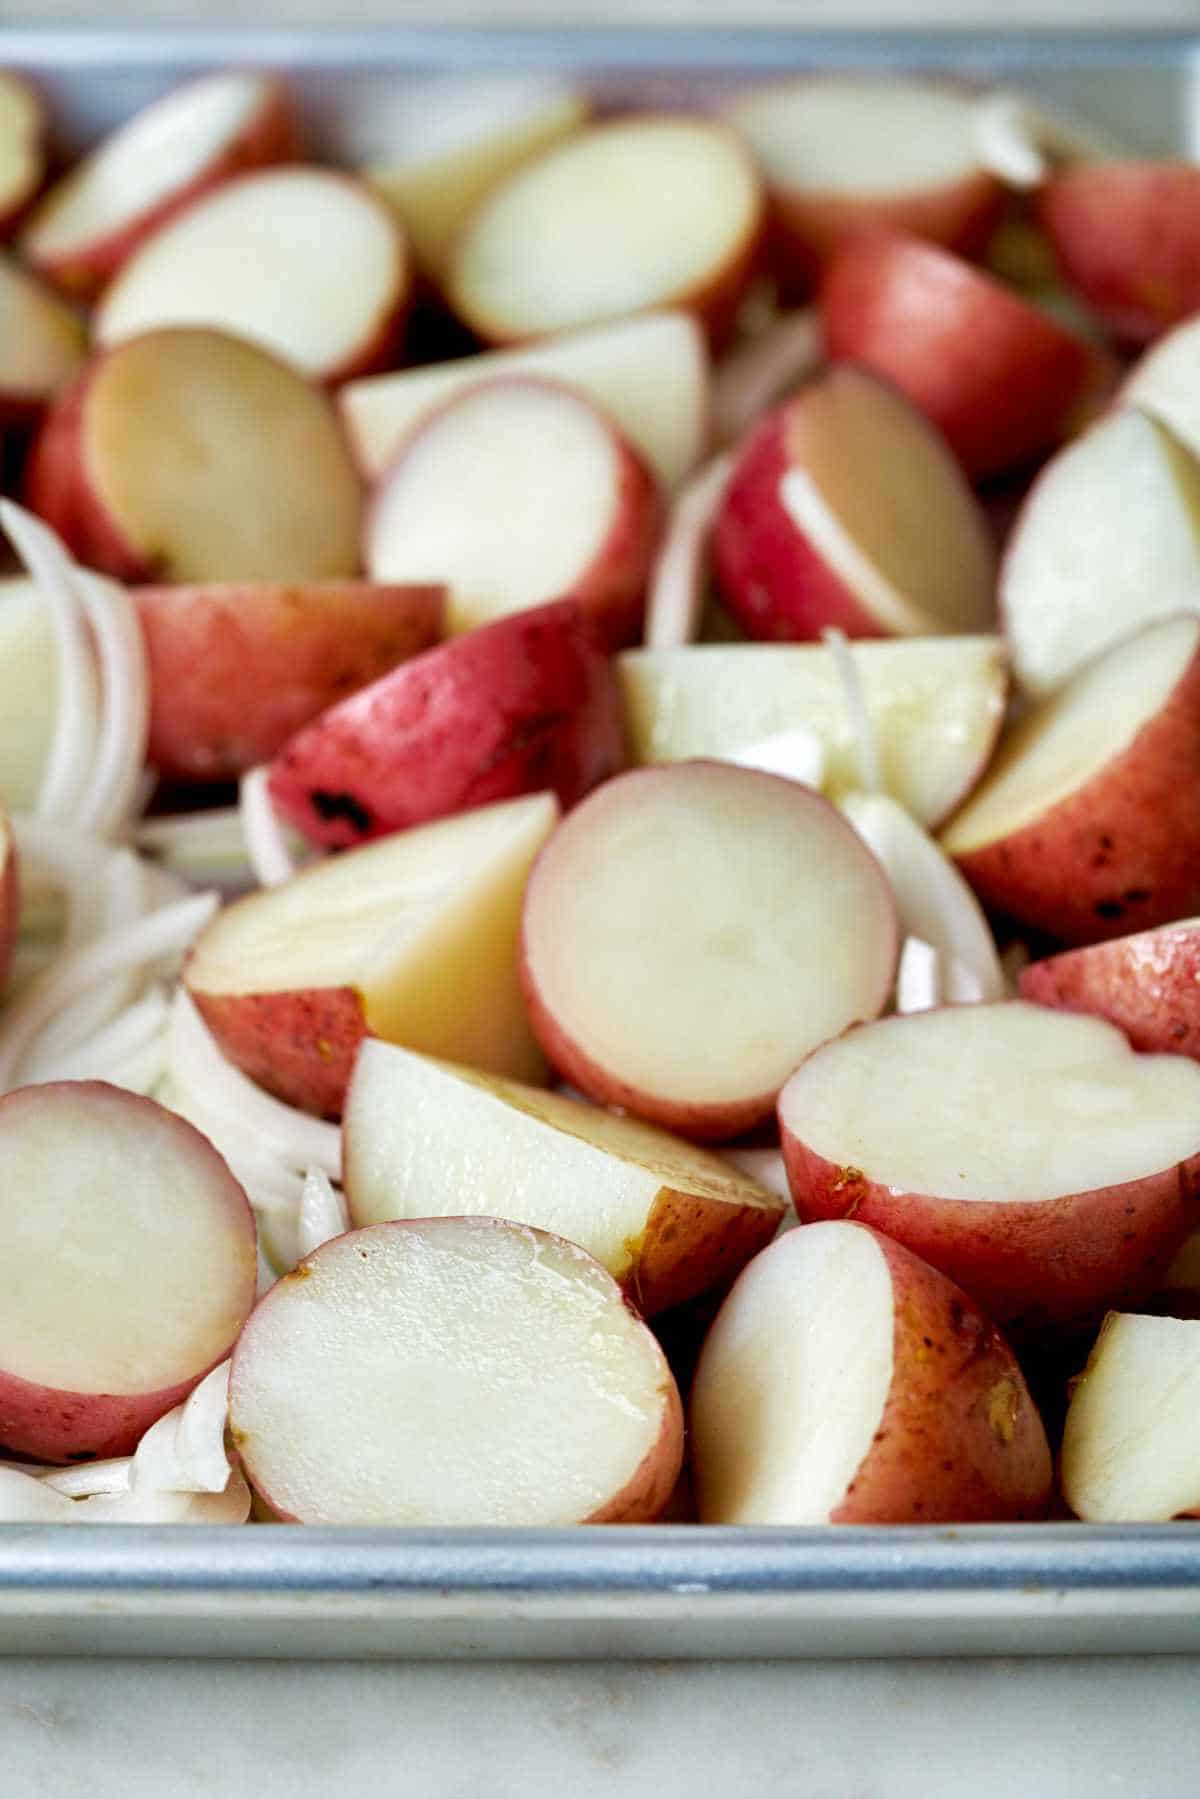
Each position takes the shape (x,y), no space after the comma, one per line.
(1122,852)
(10,898)
(649,1490)
(778,588)
(298,1045)
(269,136)
(1147,985)
(692,1244)
(1037,1266)
(235,670)
(960,1440)
(526,703)
(1000,379)
(1126,236)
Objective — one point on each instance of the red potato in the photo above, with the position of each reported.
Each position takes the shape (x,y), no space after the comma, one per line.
(364,1391)
(1031,1155)
(732,920)
(842,155)
(1165,382)
(1130,1453)
(1107,540)
(414,939)
(668,1220)
(129,1250)
(641,212)
(1126,236)
(514,493)
(307,262)
(153,166)
(648,374)
(1002,380)
(1086,825)
(1148,985)
(42,343)
(826,521)
(22,148)
(846,1382)
(10,898)
(519,706)
(189,455)
(236,669)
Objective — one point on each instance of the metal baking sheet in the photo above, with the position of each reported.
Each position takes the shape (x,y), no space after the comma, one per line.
(677,1591)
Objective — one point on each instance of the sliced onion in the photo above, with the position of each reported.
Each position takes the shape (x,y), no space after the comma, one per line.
(131,1031)
(918,978)
(1019,139)
(676,596)
(122,896)
(151,1506)
(185,1451)
(116,788)
(266,844)
(206,849)
(323,1213)
(861,724)
(24,1499)
(797,755)
(752,377)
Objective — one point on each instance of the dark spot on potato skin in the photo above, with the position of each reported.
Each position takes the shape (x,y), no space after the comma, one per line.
(329,806)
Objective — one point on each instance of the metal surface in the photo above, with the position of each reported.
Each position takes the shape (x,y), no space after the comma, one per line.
(669,1591)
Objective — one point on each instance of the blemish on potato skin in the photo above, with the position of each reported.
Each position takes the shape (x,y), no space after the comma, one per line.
(1003,1408)
(301,1272)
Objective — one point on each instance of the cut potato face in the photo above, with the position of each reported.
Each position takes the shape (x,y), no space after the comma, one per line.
(1130,1453)
(453,1371)
(1165,383)
(306,262)
(22,156)
(28,690)
(648,374)
(42,342)
(640,213)
(424,1139)
(732,921)
(1108,540)
(935,705)
(1148,985)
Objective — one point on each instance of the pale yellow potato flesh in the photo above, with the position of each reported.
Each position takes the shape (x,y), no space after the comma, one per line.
(1131,1445)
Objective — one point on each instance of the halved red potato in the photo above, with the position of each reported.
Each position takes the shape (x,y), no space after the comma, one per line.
(691,932)
(1126,236)
(846,1382)
(1165,382)
(190,455)
(1108,539)
(936,705)
(1067,1193)
(42,343)
(28,690)
(129,1253)
(414,939)
(1148,985)
(1131,1449)
(1001,379)
(307,262)
(1087,823)
(648,374)
(453,1371)
(236,668)
(666,1219)
(826,521)
(519,706)
(22,148)
(514,493)
(151,167)
(641,212)
(10,897)
(438,148)
(843,154)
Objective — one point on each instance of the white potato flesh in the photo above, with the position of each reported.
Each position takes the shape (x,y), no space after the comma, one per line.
(42,341)
(507,497)
(793,1379)
(159,151)
(1075,1108)
(934,902)
(208,446)
(1108,540)
(305,262)
(868,475)
(28,690)
(127,1245)
(20,129)
(1058,747)
(1131,1444)
(626,216)
(649,374)
(870,139)
(697,930)
(1165,382)
(427,1140)
(444,896)
(455,1371)
(935,706)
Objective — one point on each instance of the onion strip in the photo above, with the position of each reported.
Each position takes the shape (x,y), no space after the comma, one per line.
(266,845)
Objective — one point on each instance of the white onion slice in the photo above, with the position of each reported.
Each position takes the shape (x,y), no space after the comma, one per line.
(918,978)
(797,755)
(185,1451)
(122,897)
(866,743)
(675,599)
(266,844)
(1019,139)
(323,1213)
(756,374)
(124,1036)
(116,790)
(24,1499)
